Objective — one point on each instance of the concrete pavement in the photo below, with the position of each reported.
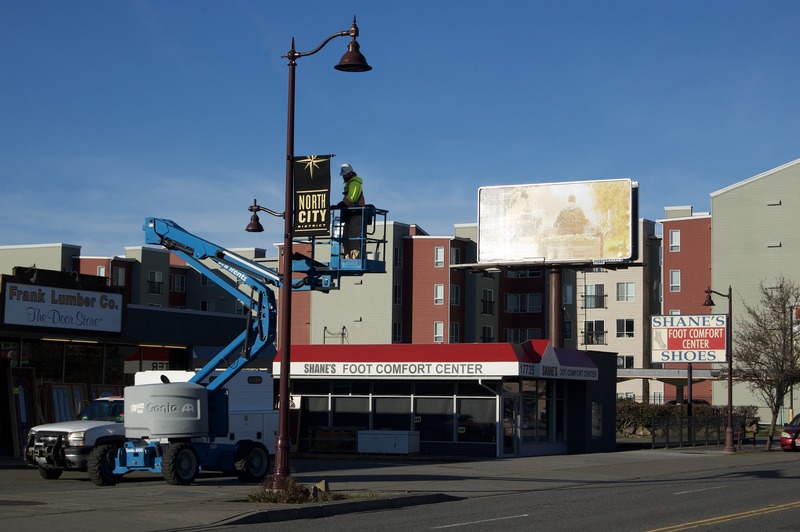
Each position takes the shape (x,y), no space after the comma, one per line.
(146,502)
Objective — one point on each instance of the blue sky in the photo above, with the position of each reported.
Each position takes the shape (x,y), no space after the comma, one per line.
(111,111)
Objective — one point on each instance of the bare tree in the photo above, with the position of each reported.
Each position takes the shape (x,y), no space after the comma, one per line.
(765,351)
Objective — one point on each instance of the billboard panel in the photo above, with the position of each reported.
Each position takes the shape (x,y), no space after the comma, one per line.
(689,339)
(573,222)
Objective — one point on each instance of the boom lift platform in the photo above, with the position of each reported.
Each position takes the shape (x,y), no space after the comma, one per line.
(177,429)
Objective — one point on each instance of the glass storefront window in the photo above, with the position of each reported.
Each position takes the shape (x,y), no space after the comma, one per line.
(433,418)
(351,412)
(476,420)
(391,413)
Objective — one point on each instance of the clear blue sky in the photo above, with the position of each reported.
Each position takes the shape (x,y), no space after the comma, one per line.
(111,111)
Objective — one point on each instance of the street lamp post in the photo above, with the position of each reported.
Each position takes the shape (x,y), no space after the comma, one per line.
(729,448)
(351,61)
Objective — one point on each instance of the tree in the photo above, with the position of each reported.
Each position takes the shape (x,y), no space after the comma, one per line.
(765,346)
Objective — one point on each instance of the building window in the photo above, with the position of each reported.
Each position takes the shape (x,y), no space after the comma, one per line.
(207,305)
(594,332)
(455,332)
(455,255)
(438,332)
(674,280)
(624,328)
(117,276)
(177,282)
(518,336)
(487,334)
(455,294)
(397,332)
(567,294)
(397,294)
(438,294)
(101,271)
(438,256)
(487,302)
(567,330)
(625,291)
(674,240)
(155,283)
(523,303)
(594,296)
(398,257)
(205,281)
(523,274)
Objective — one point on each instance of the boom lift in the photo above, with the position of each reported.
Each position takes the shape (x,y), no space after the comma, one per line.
(179,428)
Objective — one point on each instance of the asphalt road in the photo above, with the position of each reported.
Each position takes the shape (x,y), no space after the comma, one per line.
(643,490)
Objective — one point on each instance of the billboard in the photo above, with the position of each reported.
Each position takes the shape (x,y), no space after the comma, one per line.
(573,222)
(688,338)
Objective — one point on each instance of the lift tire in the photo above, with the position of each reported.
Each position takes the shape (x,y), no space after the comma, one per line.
(50,473)
(252,462)
(101,465)
(180,464)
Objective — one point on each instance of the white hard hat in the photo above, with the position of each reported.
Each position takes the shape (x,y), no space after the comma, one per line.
(346,169)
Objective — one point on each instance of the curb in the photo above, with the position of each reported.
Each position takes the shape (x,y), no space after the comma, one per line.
(335,508)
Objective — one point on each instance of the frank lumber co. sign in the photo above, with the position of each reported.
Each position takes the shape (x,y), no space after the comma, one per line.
(689,339)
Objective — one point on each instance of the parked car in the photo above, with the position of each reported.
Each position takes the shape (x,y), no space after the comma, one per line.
(790,435)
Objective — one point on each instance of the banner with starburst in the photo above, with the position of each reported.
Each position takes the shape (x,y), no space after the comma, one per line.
(312,195)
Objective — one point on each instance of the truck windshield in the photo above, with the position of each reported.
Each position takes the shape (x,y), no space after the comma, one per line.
(103,411)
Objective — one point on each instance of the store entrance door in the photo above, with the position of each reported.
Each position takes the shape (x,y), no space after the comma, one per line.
(511,433)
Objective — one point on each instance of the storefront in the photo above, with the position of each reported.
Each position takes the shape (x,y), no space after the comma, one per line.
(490,400)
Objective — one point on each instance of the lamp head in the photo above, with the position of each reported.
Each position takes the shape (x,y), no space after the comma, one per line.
(353,60)
(255,225)
(708,302)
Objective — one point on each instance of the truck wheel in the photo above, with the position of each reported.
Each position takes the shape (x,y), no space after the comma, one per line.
(252,462)
(50,473)
(102,461)
(180,464)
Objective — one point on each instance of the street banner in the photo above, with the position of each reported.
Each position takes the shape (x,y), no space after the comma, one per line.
(312,195)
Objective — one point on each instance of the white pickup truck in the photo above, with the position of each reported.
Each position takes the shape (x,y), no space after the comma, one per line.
(56,447)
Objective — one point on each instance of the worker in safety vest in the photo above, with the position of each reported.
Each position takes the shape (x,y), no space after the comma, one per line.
(352,206)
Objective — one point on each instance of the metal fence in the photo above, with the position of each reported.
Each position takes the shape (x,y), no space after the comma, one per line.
(691,431)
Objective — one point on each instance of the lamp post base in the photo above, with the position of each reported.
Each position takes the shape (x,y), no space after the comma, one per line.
(729,448)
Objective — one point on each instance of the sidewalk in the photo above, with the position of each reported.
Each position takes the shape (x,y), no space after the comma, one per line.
(146,502)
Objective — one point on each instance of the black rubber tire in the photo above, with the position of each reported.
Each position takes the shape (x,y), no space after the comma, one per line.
(180,464)
(50,473)
(252,462)
(101,465)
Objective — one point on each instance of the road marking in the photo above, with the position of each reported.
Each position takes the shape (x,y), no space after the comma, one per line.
(695,491)
(730,517)
(481,521)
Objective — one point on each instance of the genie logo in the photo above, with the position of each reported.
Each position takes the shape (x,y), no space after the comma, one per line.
(170,408)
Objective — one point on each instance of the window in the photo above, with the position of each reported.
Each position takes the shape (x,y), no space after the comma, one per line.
(523,303)
(205,281)
(487,301)
(594,332)
(101,271)
(487,334)
(117,276)
(397,294)
(438,294)
(177,282)
(455,332)
(674,240)
(523,274)
(518,336)
(567,294)
(594,296)
(438,256)
(625,291)
(438,332)
(398,257)
(455,255)
(674,280)
(155,282)
(397,332)
(455,294)
(207,305)
(624,328)
(567,330)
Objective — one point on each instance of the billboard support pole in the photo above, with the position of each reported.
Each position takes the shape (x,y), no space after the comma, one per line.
(556,312)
